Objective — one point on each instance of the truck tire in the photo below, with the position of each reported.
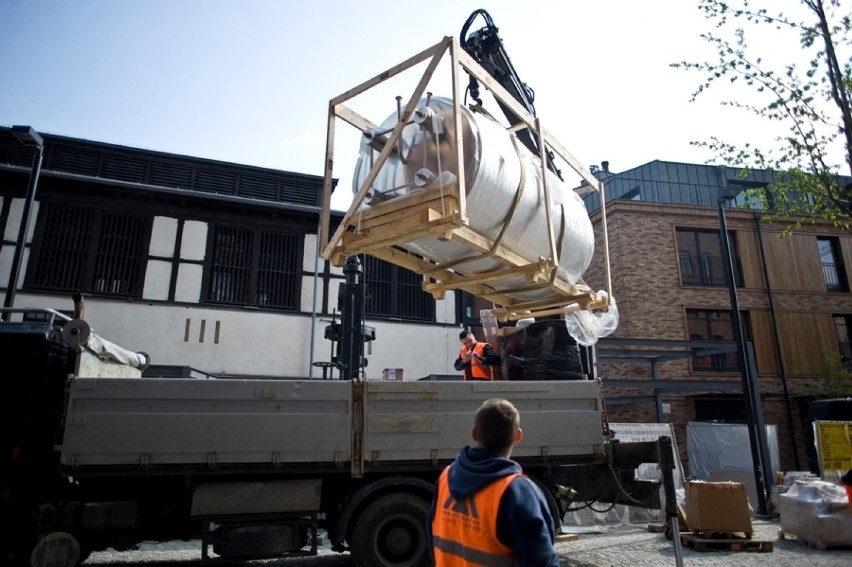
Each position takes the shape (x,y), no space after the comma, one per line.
(391,532)
(555,509)
(56,549)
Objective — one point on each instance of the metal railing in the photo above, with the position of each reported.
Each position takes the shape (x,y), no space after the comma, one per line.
(834,280)
(706,270)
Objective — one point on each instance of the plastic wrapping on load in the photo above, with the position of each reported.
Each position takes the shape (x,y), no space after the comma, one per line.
(725,446)
(540,351)
(489,326)
(816,512)
(587,326)
(503,181)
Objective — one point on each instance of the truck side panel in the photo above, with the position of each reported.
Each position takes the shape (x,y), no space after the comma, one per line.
(431,420)
(152,422)
(161,422)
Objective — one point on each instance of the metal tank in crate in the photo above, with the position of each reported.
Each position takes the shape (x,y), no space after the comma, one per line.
(505,192)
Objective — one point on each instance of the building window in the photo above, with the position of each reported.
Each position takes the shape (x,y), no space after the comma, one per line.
(632,195)
(254,267)
(707,324)
(701,260)
(832,267)
(89,251)
(721,409)
(842,325)
(393,291)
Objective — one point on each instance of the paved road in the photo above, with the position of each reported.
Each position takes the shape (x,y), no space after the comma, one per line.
(611,546)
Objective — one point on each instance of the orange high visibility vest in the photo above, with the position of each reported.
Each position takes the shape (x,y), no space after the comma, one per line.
(478,370)
(464,533)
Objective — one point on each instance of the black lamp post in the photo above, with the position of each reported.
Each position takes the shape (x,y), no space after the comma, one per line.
(29,137)
(751,392)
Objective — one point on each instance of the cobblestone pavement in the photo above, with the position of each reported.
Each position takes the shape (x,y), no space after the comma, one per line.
(606,546)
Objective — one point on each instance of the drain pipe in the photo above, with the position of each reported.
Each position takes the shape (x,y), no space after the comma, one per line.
(757,222)
(314,304)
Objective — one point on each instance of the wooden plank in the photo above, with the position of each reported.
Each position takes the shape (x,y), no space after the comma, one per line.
(446,206)
(530,272)
(350,116)
(389,147)
(413,199)
(436,49)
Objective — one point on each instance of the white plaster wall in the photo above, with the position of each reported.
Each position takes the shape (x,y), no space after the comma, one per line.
(307,300)
(194,243)
(13,225)
(163,234)
(16,215)
(157,278)
(188,286)
(420,350)
(445,309)
(252,343)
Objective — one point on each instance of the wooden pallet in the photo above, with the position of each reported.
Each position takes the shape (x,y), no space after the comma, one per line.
(732,544)
(562,538)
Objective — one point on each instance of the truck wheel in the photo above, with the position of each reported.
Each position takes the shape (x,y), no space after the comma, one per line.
(56,549)
(555,509)
(391,532)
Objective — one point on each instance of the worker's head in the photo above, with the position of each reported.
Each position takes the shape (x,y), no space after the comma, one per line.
(467,339)
(497,426)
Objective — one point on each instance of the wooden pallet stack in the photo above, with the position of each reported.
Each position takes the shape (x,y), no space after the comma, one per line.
(718,518)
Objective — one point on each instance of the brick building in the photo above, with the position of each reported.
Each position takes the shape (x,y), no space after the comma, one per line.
(666,257)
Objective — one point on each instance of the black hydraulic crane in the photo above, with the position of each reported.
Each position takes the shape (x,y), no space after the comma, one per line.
(486,47)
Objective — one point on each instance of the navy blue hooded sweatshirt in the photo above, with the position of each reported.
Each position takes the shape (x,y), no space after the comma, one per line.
(524,522)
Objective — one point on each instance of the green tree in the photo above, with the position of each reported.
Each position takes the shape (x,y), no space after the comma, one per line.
(810,102)
(836,379)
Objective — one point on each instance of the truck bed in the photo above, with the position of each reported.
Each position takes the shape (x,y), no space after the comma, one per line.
(157,423)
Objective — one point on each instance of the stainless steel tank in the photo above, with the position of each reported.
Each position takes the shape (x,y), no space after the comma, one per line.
(496,167)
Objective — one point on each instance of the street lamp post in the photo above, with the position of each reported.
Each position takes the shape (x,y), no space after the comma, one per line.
(751,393)
(29,137)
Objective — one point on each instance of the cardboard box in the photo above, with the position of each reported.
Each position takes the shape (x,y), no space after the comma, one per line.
(392,374)
(717,507)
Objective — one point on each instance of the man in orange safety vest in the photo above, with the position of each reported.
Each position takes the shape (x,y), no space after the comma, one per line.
(475,358)
(486,511)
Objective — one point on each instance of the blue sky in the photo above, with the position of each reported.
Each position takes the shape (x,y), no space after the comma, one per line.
(249,81)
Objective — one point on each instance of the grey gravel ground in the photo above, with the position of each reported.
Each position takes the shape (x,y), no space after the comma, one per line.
(601,546)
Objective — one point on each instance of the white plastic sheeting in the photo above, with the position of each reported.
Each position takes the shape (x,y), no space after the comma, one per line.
(722,451)
(724,446)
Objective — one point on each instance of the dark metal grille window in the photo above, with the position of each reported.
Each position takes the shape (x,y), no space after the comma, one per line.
(393,291)
(700,258)
(251,267)
(89,251)
(118,255)
(705,324)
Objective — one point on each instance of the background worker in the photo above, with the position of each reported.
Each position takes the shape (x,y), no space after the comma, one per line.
(475,358)
(485,510)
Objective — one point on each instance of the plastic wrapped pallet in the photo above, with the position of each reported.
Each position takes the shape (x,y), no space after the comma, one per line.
(542,350)
(816,512)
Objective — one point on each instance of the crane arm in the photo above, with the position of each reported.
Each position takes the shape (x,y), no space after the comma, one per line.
(486,47)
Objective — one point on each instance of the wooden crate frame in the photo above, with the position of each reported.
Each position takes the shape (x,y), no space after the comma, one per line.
(442,212)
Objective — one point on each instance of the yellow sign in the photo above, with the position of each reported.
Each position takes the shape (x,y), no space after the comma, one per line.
(834,441)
